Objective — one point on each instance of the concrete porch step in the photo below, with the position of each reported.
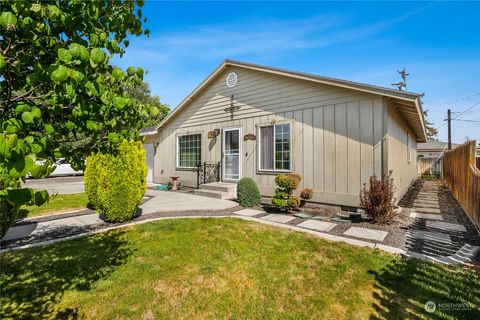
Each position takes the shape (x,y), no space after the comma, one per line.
(219,190)
(211,193)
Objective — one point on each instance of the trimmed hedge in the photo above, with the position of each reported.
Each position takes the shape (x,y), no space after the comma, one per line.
(115,184)
(8,214)
(248,194)
(283,198)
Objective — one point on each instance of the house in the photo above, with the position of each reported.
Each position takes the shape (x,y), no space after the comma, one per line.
(433,149)
(257,121)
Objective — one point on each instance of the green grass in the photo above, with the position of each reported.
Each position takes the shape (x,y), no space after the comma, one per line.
(224,268)
(57,203)
(430,177)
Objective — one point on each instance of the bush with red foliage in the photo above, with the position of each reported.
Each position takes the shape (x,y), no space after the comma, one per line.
(377,199)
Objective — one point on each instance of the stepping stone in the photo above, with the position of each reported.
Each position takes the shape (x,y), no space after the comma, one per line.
(446,226)
(322,218)
(427,210)
(317,225)
(429,235)
(282,218)
(365,233)
(249,212)
(302,215)
(425,216)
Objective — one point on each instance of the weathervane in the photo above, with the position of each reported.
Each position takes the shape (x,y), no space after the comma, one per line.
(232,108)
(402,85)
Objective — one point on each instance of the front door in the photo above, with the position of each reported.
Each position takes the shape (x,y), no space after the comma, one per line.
(232,154)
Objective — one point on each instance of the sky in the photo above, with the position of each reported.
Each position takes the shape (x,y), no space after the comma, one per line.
(437,42)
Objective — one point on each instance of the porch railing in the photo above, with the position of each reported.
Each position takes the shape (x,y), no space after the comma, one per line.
(207,172)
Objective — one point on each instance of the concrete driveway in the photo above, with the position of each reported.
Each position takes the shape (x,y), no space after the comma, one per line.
(60,185)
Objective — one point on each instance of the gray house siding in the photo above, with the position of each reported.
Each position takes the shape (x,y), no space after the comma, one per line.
(338,135)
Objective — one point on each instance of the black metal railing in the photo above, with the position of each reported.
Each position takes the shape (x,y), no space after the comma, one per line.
(207,172)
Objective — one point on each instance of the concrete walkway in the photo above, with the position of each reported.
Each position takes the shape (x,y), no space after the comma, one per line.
(160,201)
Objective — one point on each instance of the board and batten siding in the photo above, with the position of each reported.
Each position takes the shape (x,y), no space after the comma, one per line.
(404,170)
(337,134)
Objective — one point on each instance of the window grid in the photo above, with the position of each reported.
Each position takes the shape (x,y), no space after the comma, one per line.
(281,147)
(189,150)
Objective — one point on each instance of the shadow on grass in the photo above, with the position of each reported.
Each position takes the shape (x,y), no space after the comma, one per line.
(408,284)
(33,281)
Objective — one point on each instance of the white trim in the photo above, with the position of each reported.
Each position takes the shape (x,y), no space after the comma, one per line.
(240,152)
(177,150)
(259,155)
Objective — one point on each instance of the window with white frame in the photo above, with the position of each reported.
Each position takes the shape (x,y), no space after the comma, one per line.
(274,147)
(409,147)
(189,150)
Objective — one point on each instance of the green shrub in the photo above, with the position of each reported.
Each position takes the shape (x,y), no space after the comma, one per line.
(115,183)
(248,194)
(94,164)
(283,198)
(122,182)
(8,214)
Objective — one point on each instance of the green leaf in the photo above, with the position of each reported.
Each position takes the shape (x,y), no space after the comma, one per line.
(12,125)
(27,117)
(70,125)
(3,64)
(60,74)
(8,20)
(64,55)
(78,51)
(97,55)
(22,107)
(113,137)
(19,197)
(131,71)
(139,73)
(119,102)
(53,12)
(36,113)
(49,128)
(118,74)
(40,197)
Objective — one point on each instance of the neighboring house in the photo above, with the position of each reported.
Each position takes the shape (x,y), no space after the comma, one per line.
(433,149)
(260,121)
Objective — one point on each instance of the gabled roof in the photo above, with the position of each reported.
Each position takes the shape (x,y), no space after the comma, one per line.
(434,145)
(407,103)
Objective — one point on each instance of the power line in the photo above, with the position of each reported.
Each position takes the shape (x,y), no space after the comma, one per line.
(466,120)
(459,114)
(455,100)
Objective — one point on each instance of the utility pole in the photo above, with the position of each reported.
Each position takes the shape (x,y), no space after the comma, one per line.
(449,119)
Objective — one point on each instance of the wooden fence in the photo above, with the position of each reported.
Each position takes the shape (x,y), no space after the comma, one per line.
(430,166)
(463,178)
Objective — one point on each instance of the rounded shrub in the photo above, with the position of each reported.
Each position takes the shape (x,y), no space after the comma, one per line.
(122,182)
(248,194)
(306,194)
(8,214)
(94,163)
(283,198)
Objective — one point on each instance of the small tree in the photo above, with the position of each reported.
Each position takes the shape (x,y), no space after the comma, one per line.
(283,198)
(377,199)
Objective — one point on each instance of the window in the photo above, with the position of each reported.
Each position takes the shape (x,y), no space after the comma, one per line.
(189,150)
(409,147)
(275,147)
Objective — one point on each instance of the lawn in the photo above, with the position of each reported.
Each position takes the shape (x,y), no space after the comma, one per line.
(57,203)
(224,268)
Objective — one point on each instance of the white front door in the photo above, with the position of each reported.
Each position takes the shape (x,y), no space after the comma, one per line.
(232,154)
(150,155)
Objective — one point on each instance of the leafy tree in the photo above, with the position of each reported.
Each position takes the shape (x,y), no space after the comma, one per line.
(432,132)
(59,94)
(143,94)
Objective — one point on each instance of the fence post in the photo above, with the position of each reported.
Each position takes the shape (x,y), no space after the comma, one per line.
(198,175)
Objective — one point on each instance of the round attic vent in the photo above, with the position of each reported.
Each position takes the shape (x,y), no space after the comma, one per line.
(231,80)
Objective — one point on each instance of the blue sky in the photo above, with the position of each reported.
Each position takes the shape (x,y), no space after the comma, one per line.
(438,43)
